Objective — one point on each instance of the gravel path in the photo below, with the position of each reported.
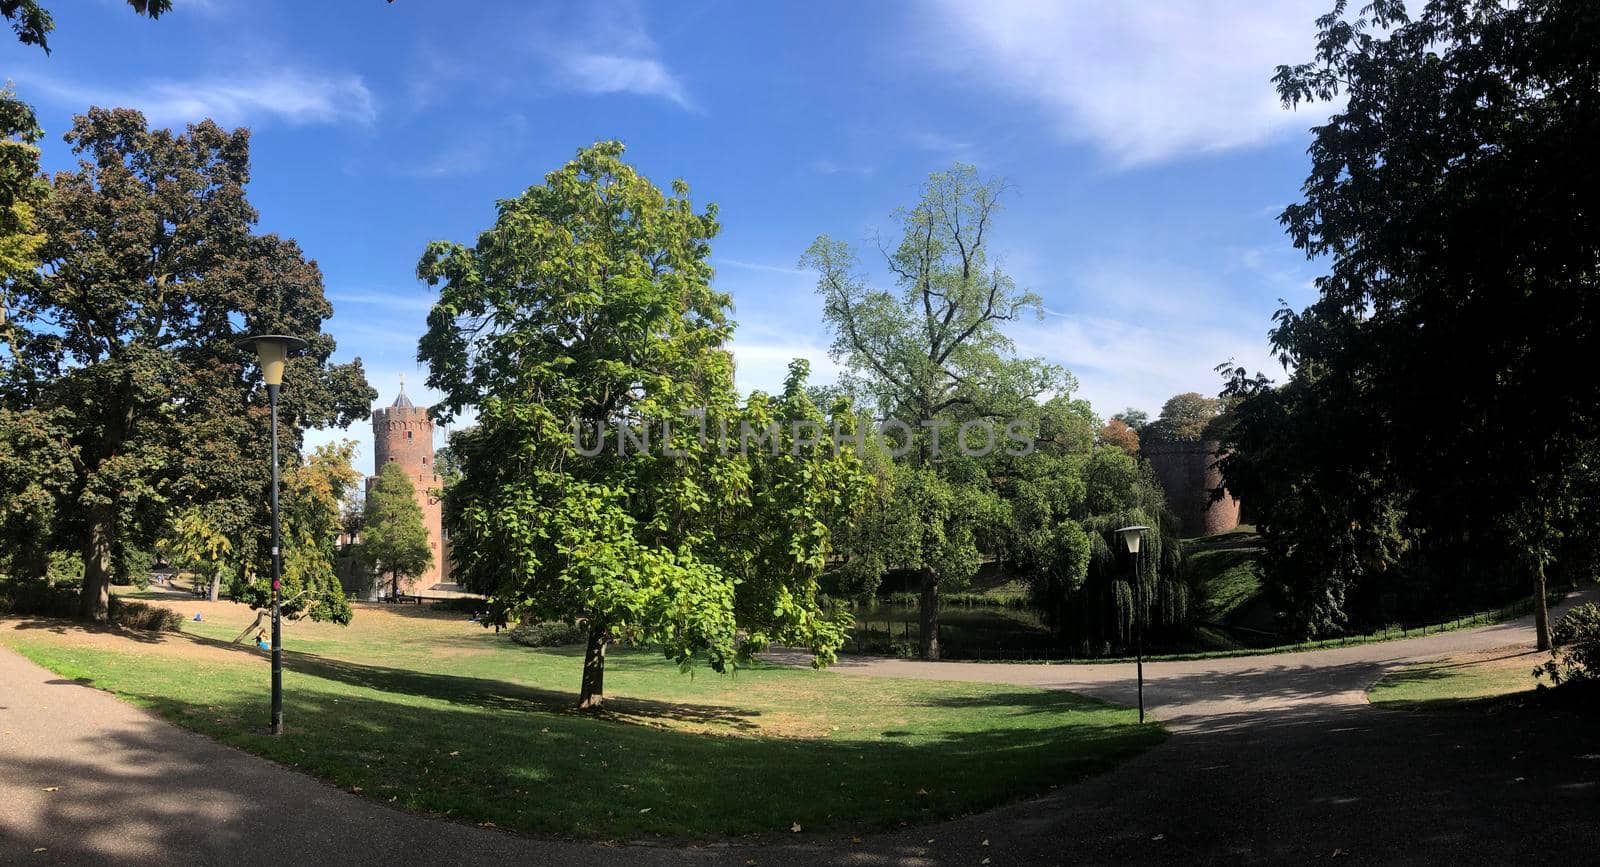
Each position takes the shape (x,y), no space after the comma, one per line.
(1275,758)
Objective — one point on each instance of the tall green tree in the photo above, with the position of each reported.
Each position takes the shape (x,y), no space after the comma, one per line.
(33,24)
(1457,207)
(125,338)
(933,353)
(587,309)
(394,540)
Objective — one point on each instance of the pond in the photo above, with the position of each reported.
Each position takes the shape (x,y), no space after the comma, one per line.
(965,632)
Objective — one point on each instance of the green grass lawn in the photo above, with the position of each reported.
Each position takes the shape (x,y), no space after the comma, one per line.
(428,712)
(1452,682)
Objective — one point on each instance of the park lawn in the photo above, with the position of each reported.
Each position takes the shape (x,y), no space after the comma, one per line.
(428,712)
(1456,681)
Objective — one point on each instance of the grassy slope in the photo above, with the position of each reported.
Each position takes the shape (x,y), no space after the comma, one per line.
(1454,681)
(431,713)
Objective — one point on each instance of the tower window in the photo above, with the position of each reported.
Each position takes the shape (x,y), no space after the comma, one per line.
(408,434)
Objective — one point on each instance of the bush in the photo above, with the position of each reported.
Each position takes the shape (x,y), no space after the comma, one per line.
(1574,647)
(140,615)
(463,604)
(38,599)
(530,634)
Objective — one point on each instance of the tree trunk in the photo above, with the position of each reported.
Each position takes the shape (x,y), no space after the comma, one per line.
(1541,611)
(592,696)
(394,586)
(95,599)
(216,585)
(928,608)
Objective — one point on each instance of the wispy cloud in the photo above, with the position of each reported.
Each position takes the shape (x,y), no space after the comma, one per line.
(410,300)
(611,73)
(1143,82)
(725,262)
(295,97)
(829,167)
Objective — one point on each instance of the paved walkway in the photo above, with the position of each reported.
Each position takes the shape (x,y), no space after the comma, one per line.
(1275,758)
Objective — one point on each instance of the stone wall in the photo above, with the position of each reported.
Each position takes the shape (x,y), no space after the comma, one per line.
(1188,472)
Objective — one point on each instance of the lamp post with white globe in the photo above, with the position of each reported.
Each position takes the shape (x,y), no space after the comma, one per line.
(272,354)
(1131,537)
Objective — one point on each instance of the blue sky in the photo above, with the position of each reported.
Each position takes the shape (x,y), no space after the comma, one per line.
(1145,149)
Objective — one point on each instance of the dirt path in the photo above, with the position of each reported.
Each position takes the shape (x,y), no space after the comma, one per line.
(1276,759)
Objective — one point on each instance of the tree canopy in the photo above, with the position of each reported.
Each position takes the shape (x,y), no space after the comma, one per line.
(933,354)
(587,311)
(1437,432)
(33,24)
(394,540)
(121,345)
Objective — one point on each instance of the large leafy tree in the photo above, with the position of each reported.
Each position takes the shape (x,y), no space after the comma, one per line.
(394,541)
(1456,203)
(1183,417)
(33,24)
(124,337)
(933,353)
(587,308)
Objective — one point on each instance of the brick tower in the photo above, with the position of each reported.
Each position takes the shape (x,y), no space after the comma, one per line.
(402,433)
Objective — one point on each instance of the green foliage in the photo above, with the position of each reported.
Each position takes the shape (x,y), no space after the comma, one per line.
(588,306)
(33,24)
(197,544)
(122,345)
(38,598)
(1574,647)
(932,353)
(22,191)
(1186,416)
(1429,444)
(310,517)
(394,540)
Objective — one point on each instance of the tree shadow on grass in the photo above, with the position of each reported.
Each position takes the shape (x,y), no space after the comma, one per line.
(491,694)
(66,627)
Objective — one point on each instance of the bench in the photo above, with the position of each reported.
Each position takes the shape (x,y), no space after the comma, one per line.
(403,598)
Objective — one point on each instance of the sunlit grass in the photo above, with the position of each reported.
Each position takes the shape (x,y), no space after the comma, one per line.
(429,712)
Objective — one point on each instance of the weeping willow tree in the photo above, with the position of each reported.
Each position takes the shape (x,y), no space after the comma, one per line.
(1092,608)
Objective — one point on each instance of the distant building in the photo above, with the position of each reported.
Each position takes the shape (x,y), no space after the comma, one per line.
(402,433)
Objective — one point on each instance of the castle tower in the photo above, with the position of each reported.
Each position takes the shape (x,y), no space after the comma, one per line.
(402,433)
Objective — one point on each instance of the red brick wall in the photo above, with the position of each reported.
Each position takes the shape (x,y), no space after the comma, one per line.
(1188,472)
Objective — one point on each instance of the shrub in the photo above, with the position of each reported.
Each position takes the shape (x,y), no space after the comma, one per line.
(463,604)
(1574,647)
(530,634)
(139,615)
(38,599)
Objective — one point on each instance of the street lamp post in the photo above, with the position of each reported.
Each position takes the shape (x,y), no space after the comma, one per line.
(272,352)
(1131,537)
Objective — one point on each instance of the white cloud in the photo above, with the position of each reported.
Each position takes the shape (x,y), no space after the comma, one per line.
(293,96)
(610,73)
(1143,82)
(765,365)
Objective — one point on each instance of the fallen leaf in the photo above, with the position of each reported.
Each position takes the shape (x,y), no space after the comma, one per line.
(795,828)
(40,849)
(52,788)
(856,840)
(646,810)
(1159,837)
(984,861)
(355,790)
(455,752)
(487,825)
(921,792)
(1338,853)
(984,843)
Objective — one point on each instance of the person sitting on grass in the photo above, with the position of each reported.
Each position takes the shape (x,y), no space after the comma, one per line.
(261,639)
